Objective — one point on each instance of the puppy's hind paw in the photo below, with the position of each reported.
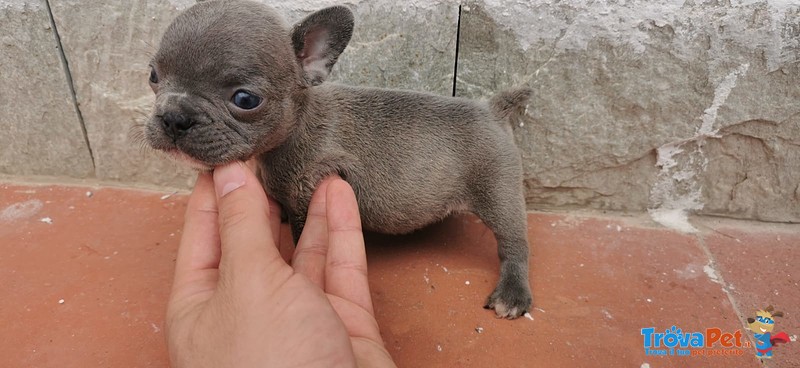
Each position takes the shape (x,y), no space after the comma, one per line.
(510,302)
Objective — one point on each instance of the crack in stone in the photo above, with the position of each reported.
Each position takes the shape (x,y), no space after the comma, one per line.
(70,83)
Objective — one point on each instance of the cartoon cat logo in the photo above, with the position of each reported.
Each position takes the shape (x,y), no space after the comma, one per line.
(762,327)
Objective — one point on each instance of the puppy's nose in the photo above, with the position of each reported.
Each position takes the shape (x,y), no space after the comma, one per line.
(176,124)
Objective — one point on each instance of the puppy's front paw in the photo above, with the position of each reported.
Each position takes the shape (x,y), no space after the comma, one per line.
(510,299)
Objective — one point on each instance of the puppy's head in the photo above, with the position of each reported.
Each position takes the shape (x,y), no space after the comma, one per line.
(227,76)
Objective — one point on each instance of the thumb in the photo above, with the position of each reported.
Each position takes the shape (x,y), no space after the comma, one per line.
(244,230)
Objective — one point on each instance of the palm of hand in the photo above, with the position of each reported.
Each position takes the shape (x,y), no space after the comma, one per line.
(235,301)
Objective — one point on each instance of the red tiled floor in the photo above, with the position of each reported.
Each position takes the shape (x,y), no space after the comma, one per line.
(759,267)
(597,282)
(108,257)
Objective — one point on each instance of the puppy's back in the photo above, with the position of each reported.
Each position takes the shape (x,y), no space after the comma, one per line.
(419,155)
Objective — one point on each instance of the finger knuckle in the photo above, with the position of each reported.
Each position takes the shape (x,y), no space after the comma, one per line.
(349,266)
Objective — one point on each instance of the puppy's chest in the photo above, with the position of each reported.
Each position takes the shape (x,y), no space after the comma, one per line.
(281,178)
(291,177)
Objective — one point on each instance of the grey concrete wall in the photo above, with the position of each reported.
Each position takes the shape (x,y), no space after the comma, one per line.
(670,106)
(40,130)
(663,106)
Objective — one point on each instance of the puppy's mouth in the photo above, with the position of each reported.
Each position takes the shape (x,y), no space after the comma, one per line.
(202,147)
(185,159)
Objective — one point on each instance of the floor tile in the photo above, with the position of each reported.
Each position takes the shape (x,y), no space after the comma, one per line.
(758,263)
(85,277)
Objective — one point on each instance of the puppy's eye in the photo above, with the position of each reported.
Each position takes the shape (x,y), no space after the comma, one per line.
(153,76)
(246,100)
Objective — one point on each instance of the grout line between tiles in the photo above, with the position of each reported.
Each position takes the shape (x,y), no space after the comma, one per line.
(725,286)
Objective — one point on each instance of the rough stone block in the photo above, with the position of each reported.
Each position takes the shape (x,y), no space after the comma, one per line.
(40,133)
(647,105)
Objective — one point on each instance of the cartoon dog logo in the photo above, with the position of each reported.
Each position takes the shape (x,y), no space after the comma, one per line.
(762,327)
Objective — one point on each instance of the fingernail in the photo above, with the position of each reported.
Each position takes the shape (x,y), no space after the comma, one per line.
(228,178)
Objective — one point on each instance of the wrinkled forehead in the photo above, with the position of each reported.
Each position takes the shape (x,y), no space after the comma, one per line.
(224,42)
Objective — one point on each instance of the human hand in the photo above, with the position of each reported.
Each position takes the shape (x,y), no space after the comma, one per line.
(236,303)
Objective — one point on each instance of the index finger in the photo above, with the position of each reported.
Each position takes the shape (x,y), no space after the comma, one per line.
(311,252)
(274,207)
(346,267)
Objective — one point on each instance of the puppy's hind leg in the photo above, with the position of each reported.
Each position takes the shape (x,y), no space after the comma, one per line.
(501,206)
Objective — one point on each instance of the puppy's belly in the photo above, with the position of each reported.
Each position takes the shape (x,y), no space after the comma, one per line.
(402,219)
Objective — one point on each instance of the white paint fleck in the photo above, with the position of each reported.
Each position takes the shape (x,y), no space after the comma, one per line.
(89,194)
(688,272)
(677,219)
(166,196)
(539,309)
(479,329)
(721,93)
(21,210)
(438,347)
(61,301)
(46,220)
(645,365)
(649,300)
(712,273)
(156,329)
(466,282)
(528,316)
(607,314)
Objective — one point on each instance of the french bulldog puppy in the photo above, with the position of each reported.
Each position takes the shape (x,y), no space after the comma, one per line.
(233,82)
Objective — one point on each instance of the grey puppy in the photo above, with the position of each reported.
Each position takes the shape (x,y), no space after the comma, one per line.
(233,81)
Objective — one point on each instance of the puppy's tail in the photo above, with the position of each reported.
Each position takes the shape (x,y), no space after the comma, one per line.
(507,102)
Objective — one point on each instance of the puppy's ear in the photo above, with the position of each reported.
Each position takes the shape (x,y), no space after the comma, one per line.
(319,39)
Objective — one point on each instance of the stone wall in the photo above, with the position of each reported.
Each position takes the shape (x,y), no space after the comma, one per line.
(666,106)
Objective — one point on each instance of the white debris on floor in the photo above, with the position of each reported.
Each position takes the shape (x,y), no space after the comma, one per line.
(166,196)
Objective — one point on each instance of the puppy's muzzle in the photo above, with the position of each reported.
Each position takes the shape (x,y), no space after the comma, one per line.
(176,124)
